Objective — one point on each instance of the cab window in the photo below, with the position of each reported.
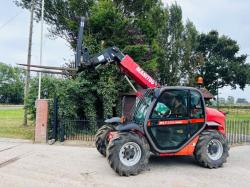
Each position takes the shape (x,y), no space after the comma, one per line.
(196,108)
(172,104)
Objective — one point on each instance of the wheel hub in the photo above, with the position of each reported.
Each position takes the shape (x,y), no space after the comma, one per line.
(214,149)
(130,154)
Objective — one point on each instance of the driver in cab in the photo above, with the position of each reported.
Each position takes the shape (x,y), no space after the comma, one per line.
(178,108)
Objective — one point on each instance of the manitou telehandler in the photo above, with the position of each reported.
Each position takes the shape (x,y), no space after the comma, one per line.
(165,121)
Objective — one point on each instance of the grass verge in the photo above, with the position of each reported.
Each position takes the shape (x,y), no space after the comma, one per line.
(11,121)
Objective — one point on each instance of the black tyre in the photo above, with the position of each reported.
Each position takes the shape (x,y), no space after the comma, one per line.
(128,154)
(211,151)
(101,140)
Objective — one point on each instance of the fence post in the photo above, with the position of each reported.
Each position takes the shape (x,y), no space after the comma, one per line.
(55,119)
(62,132)
(229,131)
(248,132)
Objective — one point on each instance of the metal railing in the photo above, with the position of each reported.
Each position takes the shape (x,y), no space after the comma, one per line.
(83,130)
(237,131)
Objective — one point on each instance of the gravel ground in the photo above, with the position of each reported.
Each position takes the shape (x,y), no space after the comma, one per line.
(25,164)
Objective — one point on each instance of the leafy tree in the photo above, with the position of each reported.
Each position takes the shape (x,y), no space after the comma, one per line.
(170,41)
(73,97)
(186,54)
(153,35)
(190,60)
(248,73)
(11,84)
(222,66)
(106,25)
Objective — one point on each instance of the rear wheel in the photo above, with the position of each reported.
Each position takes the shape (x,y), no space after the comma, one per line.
(128,154)
(212,149)
(101,140)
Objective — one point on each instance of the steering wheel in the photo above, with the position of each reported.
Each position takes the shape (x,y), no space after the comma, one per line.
(167,115)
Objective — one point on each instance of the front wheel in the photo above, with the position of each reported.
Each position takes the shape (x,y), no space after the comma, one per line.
(128,154)
(212,149)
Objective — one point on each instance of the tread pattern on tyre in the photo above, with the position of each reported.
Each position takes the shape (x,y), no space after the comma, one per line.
(100,138)
(113,154)
(200,153)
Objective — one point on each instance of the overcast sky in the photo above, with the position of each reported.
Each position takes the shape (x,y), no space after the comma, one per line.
(229,17)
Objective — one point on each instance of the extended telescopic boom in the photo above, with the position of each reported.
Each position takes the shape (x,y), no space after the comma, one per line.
(126,64)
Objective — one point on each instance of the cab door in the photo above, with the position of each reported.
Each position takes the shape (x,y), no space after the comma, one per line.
(171,124)
(197,113)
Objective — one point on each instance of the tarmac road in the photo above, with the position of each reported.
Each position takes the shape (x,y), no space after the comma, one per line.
(26,164)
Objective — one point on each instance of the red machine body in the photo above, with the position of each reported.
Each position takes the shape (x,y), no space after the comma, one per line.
(214,118)
(135,72)
(217,117)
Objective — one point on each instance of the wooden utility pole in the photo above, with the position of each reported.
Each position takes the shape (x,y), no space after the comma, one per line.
(27,81)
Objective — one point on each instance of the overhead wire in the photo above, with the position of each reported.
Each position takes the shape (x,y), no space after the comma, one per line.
(10,20)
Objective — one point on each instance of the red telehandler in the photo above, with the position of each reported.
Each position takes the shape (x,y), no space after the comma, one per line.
(165,121)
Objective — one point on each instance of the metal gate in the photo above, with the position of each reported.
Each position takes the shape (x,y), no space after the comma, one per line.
(238,131)
(84,130)
(75,129)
